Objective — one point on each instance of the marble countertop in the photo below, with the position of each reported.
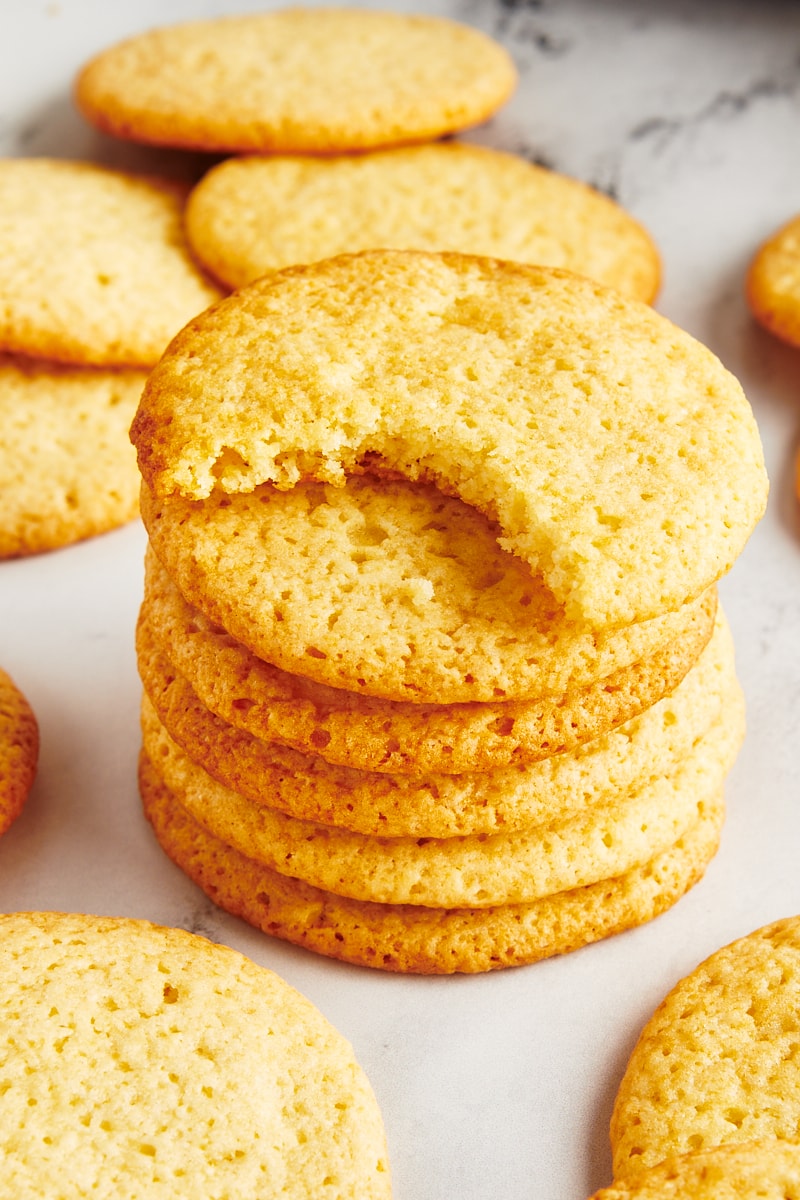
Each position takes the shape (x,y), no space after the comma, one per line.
(499,1085)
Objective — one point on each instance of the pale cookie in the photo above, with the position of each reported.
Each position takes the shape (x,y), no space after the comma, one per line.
(67,470)
(459,872)
(773,283)
(144,1061)
(95,264)
(769,1170)
(248,216)
(410,938)
(381,587)
(19,750)
(311,80)
(718,1061)
(617,455)
(392,736)
(486,802)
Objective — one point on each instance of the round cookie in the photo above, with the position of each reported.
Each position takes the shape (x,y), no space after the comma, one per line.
(19,750)
(440,806)
(394,736)
(67,469)
(409,938)
(96,270)
(139,1060)
(616,454)
(769,1170)
(307,80)
(773,283)
(248,216)
(381,587)
(718,1061)
(459,872)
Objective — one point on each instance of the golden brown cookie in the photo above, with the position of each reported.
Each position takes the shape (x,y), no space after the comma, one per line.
(251,215)
(769,1170)
(409,938)
(773,283)
(67,469)
(719,1060)
(616,454)
(19,750)
(395,736)
(438,806)
(96,270)
(382,587)
(145,1061)
(311,80)
(473,871)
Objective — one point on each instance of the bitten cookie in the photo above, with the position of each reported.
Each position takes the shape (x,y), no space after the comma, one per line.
(67,470)
(96,270)
(616,454)
(773,283)
(310,80)
(718,1061)
(19,750)
(144,1061)
(253,215)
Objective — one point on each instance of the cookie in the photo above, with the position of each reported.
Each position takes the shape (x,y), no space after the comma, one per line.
(19,750)
(96,270)
(773,283)
(616,454)
(311,80)
(718,1061)
(140,1060)
(411,938)
(67,469)
(397,737)
(769,1169)
(420,602)
(439,806)
(251,215)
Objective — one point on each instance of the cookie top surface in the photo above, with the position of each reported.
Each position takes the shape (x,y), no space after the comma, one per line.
(67,469)
(460,872)
(310,80)
(156,1063)
(19,750)
(717,1062)
(253,215)
(96,269)
(617,455)
(773,283)
(412,938)
(421,602)
(431,805)
(768,1169)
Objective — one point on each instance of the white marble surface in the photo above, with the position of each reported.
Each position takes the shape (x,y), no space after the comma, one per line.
(501,1085)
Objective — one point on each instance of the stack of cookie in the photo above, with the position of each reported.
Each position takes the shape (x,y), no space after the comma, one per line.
(97,278)
(435,676)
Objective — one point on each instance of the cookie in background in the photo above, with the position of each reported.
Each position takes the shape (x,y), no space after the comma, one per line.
(19,750)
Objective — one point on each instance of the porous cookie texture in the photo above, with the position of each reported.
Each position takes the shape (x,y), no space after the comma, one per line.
(382,587)
(616,454)
(96,269)
(67,469)
(139,1060)
(773,283)
(311,80)
(251,215)
(769,1170)
(459,872)
(19,750)
(439,806)
(413,939)
(718,1061)
(392,736)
